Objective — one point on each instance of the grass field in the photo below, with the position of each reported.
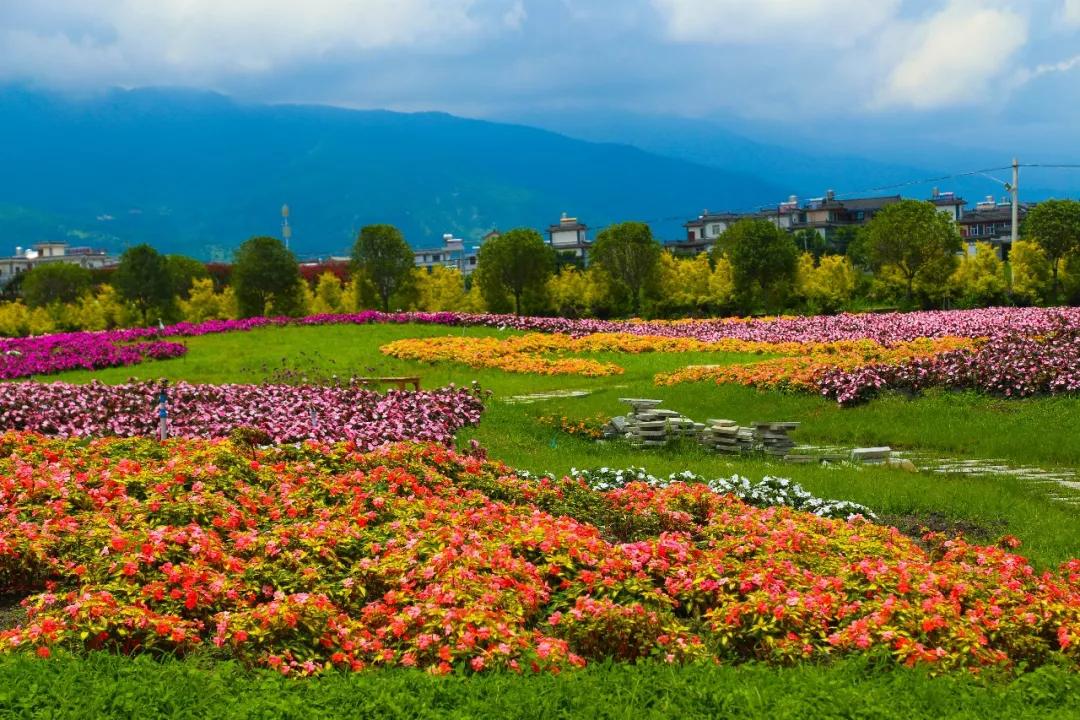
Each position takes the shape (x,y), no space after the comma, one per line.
(1043,432)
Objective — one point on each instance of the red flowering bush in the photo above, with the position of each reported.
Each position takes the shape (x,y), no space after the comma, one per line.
(306,557)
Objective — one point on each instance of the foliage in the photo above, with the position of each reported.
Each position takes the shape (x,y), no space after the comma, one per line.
(576,293)
(441,289)
(1055,226)
(204,303)
(329,296)
(684,288)
(515,263)
(827,286)
(265,277)
(763,261)
(630,256)
(979,279)
(144,278)
(386,260)
(105,686)
(183,272)
(918,242)
(55,282)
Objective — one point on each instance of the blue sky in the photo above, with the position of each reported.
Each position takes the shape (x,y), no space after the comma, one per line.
(944,67)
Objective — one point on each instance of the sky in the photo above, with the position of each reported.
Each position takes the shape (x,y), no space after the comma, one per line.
(960,68)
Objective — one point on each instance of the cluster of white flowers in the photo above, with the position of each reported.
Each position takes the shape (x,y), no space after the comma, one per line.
(769,492)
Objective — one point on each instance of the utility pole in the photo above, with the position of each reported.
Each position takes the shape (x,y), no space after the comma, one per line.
(286,229)
(1015,201)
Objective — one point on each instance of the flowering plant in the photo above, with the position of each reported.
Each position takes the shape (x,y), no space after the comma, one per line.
(318,556)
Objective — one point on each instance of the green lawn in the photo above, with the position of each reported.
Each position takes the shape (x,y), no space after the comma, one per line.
(1042,432)
(102,685)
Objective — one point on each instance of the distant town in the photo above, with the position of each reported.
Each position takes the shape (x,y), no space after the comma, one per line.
(989,221)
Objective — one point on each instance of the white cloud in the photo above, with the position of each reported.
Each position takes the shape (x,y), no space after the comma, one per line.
(953,56)
(204,39)
(816,22)
(1070,12)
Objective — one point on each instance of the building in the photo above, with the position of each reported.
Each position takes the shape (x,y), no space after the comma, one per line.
(990,221)
(948,203)
(451,254)
(826,215)
(570,237)
(50,252)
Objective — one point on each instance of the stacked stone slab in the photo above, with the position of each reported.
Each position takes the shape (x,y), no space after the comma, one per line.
(728,437)
(774,437)
(647,425)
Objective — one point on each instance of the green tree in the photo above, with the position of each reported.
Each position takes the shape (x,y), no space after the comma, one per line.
(142,278)
(918,242)
(764,262)
(385,259)
(1055,226)
(183,271)
(517,263)
(54,282)
(265,277)
(630,256)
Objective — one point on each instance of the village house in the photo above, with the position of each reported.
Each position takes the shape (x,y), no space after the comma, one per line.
(51,252)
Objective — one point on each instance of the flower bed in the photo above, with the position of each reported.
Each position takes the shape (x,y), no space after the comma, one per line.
(286,413)
(312,557)
(886,329)
(49,354)
(1009,366)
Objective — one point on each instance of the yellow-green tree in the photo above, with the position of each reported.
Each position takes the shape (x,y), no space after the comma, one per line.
(442,289)
(979,279)
(329,296)
(828,285)
(1032,281)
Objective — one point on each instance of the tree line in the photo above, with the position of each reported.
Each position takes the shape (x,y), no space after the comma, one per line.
(908,256)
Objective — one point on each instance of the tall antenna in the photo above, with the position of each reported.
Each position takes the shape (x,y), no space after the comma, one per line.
(286,229)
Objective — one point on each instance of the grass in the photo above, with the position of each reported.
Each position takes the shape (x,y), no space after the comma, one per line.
(1043,432)
(103,685)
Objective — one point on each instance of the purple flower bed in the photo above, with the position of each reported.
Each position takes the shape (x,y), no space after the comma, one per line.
(1012,365)
(285,412)
(48,354)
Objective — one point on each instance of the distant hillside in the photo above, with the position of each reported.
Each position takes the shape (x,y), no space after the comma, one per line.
(194,172)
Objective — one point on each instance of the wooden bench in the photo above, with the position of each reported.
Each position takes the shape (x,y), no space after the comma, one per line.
(401,382)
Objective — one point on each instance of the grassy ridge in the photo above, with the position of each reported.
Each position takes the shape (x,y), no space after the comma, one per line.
(109,686)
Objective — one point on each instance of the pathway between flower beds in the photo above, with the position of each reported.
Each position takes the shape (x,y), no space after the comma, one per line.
(285,413)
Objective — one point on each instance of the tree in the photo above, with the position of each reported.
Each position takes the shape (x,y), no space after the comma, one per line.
(1055,226)
(918,241)
(764,262)
(385,258)
(628,253)
(142,278)
(55,282)
(441,289)
(516,263)
(329,297)
(1030,273)
(183,271)
(979,279)
(828,285)
(265,278)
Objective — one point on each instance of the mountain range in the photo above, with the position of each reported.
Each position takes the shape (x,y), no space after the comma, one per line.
(196,172)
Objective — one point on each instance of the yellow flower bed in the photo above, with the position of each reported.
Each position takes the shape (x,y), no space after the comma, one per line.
(547,354)
(801,371)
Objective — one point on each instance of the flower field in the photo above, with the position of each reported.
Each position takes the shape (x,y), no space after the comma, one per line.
(50,354)
(304,558)
(285,413)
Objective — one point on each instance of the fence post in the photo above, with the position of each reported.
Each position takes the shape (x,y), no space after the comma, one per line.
(163,411)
